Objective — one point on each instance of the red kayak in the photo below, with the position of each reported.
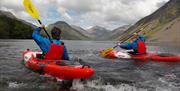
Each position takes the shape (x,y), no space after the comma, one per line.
(162,57)
(55,68)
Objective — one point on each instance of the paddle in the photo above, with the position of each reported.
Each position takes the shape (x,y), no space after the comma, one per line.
(34,13)
(107,50)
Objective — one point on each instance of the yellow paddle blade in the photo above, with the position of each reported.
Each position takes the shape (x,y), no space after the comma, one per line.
(105,52)
(31,9)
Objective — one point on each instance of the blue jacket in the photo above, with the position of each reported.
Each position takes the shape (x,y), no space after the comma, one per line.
(133,45)
(44,43)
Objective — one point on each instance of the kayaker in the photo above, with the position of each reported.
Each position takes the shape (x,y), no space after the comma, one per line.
(137,44)
(51,50)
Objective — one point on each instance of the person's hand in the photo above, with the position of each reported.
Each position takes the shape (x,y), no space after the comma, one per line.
(42,26)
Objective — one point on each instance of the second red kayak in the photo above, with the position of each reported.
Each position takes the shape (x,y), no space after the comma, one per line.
(162,57)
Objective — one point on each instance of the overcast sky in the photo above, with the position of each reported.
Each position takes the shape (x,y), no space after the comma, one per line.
(86,13)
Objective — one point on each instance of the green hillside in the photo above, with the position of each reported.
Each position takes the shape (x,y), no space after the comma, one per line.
(12,28)
(157,22)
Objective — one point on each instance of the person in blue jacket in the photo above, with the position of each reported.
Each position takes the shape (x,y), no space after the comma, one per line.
(137,44)
(45,44)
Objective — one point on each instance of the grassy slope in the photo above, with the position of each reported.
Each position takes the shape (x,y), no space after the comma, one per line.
(14,29)
(152,24)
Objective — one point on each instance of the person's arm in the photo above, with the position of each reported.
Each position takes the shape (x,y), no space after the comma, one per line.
(65,54)
(36,35)
(43,42)
(126,46)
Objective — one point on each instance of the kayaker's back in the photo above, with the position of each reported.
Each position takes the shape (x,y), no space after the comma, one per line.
(55,52)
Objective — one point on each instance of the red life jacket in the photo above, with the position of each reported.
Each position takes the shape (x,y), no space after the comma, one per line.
(55,52)
(141,47)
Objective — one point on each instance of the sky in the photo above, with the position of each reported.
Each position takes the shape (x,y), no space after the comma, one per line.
(110,14)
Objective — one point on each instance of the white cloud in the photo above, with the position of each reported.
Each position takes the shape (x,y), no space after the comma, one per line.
(85,13)
(64,13)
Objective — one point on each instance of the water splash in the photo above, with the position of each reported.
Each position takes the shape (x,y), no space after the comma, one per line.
(15,85)
(98,85)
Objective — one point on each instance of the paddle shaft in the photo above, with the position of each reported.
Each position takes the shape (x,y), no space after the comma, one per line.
(122,42)
(45,31)
(131,36)
(125,39)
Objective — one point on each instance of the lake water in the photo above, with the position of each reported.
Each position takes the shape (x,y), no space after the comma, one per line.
(110,75)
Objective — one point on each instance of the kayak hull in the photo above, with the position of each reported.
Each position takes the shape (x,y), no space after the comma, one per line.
(54,69)
(157,57)
(146,57)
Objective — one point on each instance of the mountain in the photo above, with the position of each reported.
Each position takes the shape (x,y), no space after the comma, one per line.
(117,32)
(7,14)
(13,28)
(68,32)
(98,33)
(156,27)
(81,30)
(73,32)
